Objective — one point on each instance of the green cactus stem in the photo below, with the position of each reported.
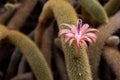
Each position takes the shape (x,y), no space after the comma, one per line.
(95,9)
(89,19)
(3,32)
(30,51)
(78,68)
(15,59)
(32,54)
(112,6)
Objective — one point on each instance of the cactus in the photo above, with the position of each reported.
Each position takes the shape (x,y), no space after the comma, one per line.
(15,59)
(31,52)
(25,76)
(105,31)
(95,9)
(113,41)
(57,43)
(10,6)
(112,57)
(21,15)
(78,68)
(45,20)
(3,32)
(112,6)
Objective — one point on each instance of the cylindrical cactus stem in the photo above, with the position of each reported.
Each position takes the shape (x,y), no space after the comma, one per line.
(112,6)
(112,57)
(20,16)
(89,18)
(105,31)
(57,43)
(3,32)
(25,76)
(5,16)
(32,54)
(45,19)
(95,9)
(78,68)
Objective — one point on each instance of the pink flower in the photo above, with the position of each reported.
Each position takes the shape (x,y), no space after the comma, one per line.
(79,34)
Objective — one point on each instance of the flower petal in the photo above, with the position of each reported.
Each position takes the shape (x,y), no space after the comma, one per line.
(91,30)
(69,35)
(64,31)
(74,29)
(88,39)
(85,44)
(71,41)
(84,28)
(93,35)
(66,39)
(93,39)
(78,34)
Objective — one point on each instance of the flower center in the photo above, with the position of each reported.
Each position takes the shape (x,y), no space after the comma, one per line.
(79,26)
(78,35)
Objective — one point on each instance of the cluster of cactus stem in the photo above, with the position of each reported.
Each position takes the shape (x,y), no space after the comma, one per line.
(78,68)
(30,51)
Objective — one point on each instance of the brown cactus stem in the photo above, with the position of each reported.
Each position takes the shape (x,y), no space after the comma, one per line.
(5,16)
(45,19)
(13,64)
(22,14)
(112,57)
(22,66)
(57,43)
(25,76)
(60,64)
(47,42)
(105,31)
(32,54)
(5,48)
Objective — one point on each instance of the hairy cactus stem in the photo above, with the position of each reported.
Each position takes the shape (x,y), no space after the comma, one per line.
(78,68)
(95,9)
(32,54)
(3,32)
(112,57)
(112,6)
(45,20)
